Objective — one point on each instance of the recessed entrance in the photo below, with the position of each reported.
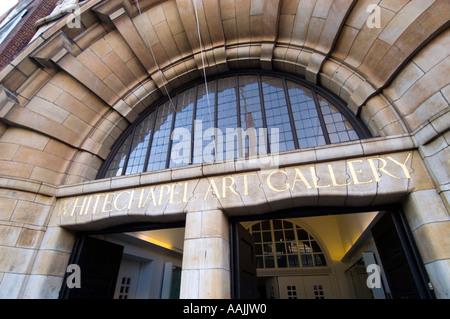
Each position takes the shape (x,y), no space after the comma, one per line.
(354,255)
(128,265)
(367,255)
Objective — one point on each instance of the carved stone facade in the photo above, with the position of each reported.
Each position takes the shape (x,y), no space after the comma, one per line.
(71,93)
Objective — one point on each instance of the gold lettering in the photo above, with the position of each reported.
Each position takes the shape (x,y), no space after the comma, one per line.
(75,206)
(185,199)
(402,165)
(225,186)
(212,188)
(63,207)
(315,178)
(374,169)
(117,197)
(173,193)
(353,173)
(269,183)
(161,193)
(150,192)
(94,208)
(333,177)
(131,199)
(246,183)
(302,178)
(87,206)
(107,202)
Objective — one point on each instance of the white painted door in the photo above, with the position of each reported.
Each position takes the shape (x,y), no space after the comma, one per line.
(317,287)
(305,287)
(127,280)
(291,287)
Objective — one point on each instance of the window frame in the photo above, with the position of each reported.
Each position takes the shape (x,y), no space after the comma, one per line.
(357,125)
(274,231)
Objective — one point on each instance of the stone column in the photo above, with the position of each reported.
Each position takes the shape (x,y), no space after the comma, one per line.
(430,224)
(206,256)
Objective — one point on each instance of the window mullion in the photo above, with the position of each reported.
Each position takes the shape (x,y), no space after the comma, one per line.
(291,116)
(172,126)
(194,115)
(129,150)
(150,142)
(216,118)
(263,112)
(321,119)
(240,141)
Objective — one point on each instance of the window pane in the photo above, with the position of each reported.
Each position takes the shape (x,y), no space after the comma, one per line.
(160,143)
(277,114)
(180,154)
(315,247)
(256,227)
(259,262)
(278,235)
(277,224)
(239,101)
(339,129)
(251,116)
(280,247)
(204,141)
(293,261)
(273,243)
(265,225)
(289,235)
(319,260)
(117,164)
(307,122)
(302,234)
(258,249)
(282,261)
(256,237)
(227,118)
(267,237)
(140,145)
(269,262)
(307,261)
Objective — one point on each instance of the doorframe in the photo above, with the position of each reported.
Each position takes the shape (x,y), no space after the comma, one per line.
(80,237)
(395,210)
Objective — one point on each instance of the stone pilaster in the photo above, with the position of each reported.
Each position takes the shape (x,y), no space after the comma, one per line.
(206,256)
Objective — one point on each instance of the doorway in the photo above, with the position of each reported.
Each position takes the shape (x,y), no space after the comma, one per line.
(315,257)
(127,264)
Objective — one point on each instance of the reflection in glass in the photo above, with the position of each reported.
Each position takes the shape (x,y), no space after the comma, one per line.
(233,117)
(282,244)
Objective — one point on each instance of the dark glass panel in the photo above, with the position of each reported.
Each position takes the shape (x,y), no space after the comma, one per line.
(161,136)
(181,136)
(204,133)
(277,113)
(339,129)
(251,116)
(227,120)
(140,145)
(117,164)
(307,122)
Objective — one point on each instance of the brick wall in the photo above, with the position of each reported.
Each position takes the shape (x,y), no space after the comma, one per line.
(25,30)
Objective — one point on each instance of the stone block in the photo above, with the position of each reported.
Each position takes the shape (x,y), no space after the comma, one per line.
(215,284)
(433,241)
(418,212)
(42,287)
(439,274)
(30,238)
(11,284)
(9,235)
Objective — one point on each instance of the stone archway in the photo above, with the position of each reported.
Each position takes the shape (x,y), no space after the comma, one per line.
(68,96)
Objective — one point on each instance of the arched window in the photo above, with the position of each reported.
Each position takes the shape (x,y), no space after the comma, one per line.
(235,116)
(282,244)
